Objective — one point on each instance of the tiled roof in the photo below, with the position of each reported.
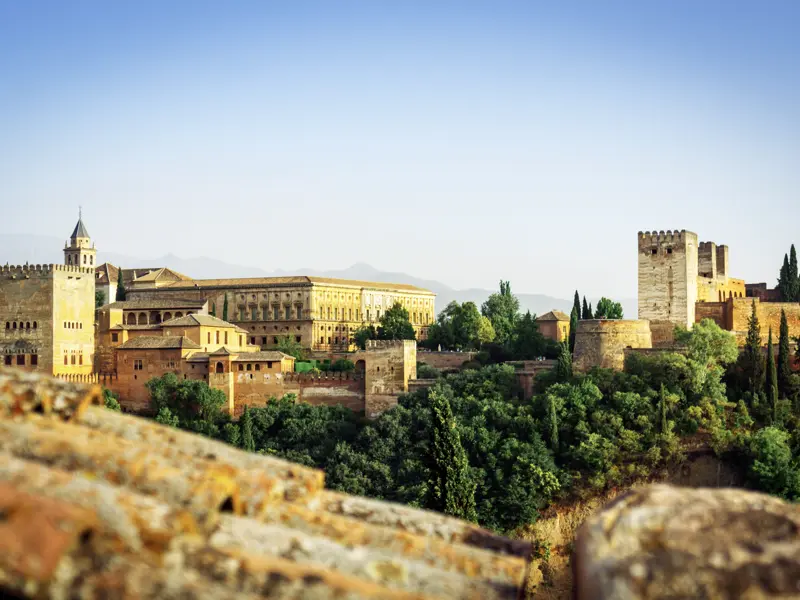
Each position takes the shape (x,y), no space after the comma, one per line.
(553,315)
(153,327)
(160,341)
(293,280)
(108,273)
(101,504)
(159,303)
(79,231)
(195,320)
(163,274)
(258,356)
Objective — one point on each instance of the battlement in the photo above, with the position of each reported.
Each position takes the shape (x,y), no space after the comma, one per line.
(650,239)
(384,344)
(41,270)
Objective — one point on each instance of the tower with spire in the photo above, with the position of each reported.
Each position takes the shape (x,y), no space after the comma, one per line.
(79,250)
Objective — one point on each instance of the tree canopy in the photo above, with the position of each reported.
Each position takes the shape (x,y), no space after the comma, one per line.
(395,324)
(608,309)
(502,309)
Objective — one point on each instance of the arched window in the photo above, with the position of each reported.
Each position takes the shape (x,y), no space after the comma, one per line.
(28,325)
(142,319)
(178,315)
(220,368)
(131,319)
(15,324)
(168,316)
(35,324)
(8,325)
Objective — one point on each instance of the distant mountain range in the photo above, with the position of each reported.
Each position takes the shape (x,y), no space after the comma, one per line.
(37,249)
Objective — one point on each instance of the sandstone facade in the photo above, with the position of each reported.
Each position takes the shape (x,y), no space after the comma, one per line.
(602,342)
(554,325)
(320,313)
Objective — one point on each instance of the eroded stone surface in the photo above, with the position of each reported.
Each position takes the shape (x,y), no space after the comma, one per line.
(669,542)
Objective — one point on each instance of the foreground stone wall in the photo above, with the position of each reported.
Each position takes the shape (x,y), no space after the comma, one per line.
(769,315)
(602,343)
(669,542)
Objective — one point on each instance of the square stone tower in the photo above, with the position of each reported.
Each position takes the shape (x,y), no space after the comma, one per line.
(668,265)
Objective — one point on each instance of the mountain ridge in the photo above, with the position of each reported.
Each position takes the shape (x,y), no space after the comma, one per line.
(39,249)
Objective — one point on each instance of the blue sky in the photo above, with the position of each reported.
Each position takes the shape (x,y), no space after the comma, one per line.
(460,141)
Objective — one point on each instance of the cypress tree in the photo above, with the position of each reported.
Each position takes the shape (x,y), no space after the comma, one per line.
(794,282)
(121,292)
(591,313)
(564,364)
(784,285)
(225,308)
(752,356)
(586,313)
(771,382)
(662,409)
(553,417)
(246,424)
(213,309)
(576,304)
(452,489)
(784,359)
(573,327)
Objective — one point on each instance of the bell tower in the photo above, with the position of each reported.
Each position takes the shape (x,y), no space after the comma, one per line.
(79,250)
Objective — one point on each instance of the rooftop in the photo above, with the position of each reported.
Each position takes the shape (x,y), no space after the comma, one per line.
(195,320)
(79,231)
(293,280)
(259,356)
(111,505)
(553,315)
(159,303)
(162,274)
(163,342)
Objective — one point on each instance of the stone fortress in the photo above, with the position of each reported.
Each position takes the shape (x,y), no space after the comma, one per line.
(681,281)
(170,323)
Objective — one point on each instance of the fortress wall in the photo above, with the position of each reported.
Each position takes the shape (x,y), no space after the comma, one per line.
(769,315)
(26,297)
(602,343)
(716,311)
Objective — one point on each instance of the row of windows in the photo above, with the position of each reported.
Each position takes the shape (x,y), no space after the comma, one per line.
(87,260)
(153,319)
(70,359)
(250,366)
(216,338)
(336,339)
(22,359)
(72,325)
(264,338)
(22,325)
(275,314)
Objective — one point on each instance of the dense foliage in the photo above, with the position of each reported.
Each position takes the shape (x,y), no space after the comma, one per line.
(394,325)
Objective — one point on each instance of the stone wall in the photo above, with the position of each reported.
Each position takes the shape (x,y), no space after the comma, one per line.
(667,276)
(602,343)
(769,315)
(388,366)
(716,311)
(445,361)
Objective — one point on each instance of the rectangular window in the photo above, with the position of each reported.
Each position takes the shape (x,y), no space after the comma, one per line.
(241,315)
(335,313)
(356,314)
(275,339)
(254,313)
(269,365)
(351,314)
(114,337)
(258,367)
(8,360)
(80,359)
(329,312)
(249,367)
(265,313)
(367,314)
(21,360)
(299,312)
(288,312)
(241,367)
(252,341)
(240,341)
(276,313)
(298,338)
(209,337)
(34,359)
(138,365)
(72,359)
(264,340)
(216,337)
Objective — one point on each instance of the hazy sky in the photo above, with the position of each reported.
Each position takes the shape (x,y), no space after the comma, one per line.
(461,141)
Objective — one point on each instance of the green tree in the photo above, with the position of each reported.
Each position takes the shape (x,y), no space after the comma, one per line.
(486,332)
(213,311)
(99,298)
(552,417)
(246,425)
(608,309)
(563,370)
(784,359)
(121,294)
(289,345)
(784,283)
(232,434)
(165,417)
(586,312)
(364,333)
(528,342)
(576,304)
(343,365)
(752,359)
(574,316)
(772,469)
(502,309)
(452,487)
(662,411)
(395,324)
(771,380)
(111,400)
(794,282)
(195,405)
(225,308)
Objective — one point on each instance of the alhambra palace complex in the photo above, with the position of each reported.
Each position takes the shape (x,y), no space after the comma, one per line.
(171,323)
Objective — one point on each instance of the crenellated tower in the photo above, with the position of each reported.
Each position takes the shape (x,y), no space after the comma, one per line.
(668,268)
(79,250)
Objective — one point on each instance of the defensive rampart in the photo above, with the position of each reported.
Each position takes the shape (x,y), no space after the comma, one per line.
(602,342)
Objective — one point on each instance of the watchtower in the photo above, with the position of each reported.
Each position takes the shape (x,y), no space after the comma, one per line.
(668,264)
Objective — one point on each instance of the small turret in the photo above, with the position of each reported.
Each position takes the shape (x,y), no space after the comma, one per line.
(79,250)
